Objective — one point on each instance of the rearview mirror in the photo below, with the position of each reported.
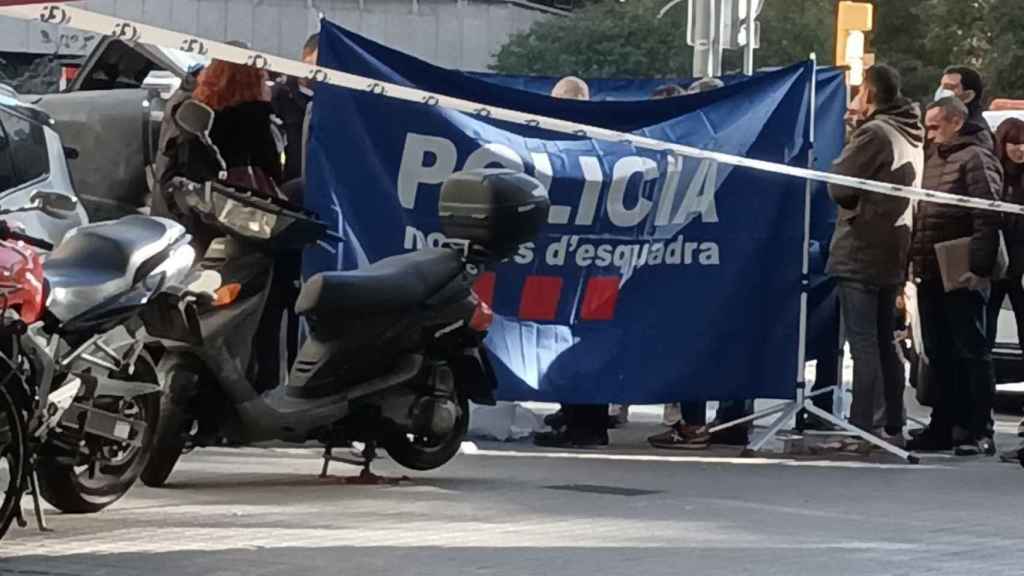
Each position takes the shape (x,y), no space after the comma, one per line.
(54,204)
(195,118)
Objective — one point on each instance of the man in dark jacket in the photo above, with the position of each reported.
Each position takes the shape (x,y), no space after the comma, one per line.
(872,240)
(960,161)
(967,85)
(290,100)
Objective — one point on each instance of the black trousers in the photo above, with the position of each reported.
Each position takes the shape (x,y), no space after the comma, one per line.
(279,311)
(1012,288)
(696,414)
(586,417)
(953,327)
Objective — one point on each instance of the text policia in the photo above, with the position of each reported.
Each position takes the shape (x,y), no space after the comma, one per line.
(677,202)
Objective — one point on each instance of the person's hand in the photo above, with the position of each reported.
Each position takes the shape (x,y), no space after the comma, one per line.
(975,282)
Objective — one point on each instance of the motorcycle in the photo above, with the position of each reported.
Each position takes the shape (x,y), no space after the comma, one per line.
(79,395)
(393,354)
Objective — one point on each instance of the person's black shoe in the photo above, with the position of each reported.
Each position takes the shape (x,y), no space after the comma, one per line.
(736,436)
(811,423)
(571,439)
(917,432)
(929,443)
(967,448)
(556,421)
(988,446)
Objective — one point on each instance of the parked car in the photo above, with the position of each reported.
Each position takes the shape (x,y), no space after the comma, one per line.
(32,159)
(111,113)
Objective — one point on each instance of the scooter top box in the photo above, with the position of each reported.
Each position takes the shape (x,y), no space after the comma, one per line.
(494,209)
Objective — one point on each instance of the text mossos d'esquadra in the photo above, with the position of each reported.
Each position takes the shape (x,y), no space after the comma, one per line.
(429,160)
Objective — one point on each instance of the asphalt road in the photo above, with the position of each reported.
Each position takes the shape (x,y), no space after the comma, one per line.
(507,509)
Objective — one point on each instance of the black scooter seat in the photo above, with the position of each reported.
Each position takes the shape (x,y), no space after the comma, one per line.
(390,285)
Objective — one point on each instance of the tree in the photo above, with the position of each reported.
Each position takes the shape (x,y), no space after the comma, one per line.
(921,38)
(1007,49)
(610,38)
(603,40)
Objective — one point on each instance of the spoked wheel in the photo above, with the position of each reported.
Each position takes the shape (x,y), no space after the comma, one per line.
(13,459)
(427,453)
(83,489)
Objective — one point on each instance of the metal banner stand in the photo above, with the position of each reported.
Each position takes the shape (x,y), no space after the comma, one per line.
(804,401)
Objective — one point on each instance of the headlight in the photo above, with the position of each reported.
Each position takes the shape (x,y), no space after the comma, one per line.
(245,220)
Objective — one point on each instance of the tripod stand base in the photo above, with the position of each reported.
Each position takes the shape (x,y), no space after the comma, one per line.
(789,410)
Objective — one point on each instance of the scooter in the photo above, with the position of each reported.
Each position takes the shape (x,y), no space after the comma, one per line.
(79,395)
(394,350)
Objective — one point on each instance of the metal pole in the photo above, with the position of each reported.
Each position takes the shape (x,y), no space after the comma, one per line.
(748,53)
(717,24)
(805,280)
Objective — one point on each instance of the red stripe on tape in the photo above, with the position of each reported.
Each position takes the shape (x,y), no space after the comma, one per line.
(540,298)
(484,287)
(600,299)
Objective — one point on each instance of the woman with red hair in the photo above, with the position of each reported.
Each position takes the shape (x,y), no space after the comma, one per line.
(241,129)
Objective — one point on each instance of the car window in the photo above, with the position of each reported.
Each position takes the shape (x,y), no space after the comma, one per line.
(26,148)
(8,178)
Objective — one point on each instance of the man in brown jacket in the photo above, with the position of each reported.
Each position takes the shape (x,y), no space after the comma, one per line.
(871,242)
(960,161)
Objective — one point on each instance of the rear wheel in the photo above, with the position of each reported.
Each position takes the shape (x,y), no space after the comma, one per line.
(13,458)
(84,489)
(427,453)
(169,443)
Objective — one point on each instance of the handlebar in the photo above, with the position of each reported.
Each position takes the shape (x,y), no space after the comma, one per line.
(8,233)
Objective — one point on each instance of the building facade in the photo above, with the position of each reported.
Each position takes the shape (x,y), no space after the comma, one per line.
(463,34)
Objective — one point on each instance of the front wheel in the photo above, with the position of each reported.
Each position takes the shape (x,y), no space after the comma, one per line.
(85,489)
(424,453)
(13,459)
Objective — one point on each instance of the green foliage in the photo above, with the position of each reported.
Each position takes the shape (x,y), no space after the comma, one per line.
(603,40)
(609,38)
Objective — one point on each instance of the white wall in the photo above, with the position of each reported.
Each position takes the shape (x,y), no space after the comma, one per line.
(462,34)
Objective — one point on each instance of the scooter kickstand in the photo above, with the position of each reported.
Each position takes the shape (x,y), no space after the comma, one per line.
(328,457)
(369,454)
(37,504)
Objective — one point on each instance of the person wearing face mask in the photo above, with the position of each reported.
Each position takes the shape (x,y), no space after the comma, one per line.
(953,322)
(965,83)
(872,241)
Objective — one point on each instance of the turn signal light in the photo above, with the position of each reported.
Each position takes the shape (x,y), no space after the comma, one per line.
(483,317)
(226,294)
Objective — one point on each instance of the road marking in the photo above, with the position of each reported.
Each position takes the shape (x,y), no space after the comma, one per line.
(471,449)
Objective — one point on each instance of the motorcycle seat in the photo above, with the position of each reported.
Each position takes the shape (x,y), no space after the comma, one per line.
(392,284)
(98,261)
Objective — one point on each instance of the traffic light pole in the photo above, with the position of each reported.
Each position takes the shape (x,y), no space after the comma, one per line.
(748,50)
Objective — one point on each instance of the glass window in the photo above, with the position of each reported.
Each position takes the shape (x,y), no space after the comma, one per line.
(25,147)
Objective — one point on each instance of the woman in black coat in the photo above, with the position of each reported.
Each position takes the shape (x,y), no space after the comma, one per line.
(1010,149)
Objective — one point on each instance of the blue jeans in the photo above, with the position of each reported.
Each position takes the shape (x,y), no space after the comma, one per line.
(869,312)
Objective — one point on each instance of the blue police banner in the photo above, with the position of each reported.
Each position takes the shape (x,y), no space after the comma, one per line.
(659,278)
(830,98)
(601,89)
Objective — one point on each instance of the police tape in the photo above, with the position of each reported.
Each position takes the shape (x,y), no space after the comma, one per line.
(134,32)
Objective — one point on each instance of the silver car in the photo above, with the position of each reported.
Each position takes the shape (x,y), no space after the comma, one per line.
(32,158)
